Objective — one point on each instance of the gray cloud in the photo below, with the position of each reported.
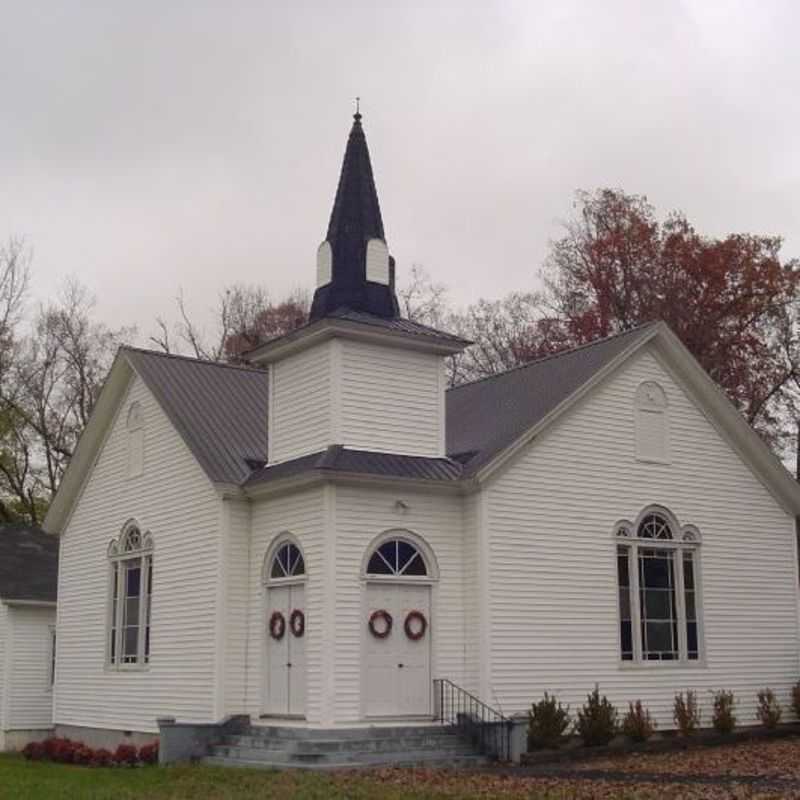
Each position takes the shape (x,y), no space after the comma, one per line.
(149,146)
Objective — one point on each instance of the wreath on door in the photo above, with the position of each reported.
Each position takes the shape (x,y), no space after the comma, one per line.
(297,623)
(415,625)
(380,623)
(277,626)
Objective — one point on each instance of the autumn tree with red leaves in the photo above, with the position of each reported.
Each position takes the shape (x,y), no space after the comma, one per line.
(731,301)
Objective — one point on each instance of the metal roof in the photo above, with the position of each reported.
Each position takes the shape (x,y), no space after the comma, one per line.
(363,462)
(221,412)
(219,409)
(485,417)
(28,564)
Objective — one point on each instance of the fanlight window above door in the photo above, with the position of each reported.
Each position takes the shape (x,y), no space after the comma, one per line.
(287,562)
(397,557)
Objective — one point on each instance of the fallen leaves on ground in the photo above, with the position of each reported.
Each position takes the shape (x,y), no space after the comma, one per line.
(461,785)
(773,759)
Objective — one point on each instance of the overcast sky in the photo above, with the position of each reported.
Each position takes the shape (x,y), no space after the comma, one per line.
(150,146)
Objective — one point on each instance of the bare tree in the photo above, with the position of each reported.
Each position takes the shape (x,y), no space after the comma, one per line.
(243,318)
(48,395)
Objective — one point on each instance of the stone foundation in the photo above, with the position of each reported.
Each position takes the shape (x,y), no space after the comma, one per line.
(103,737)
(11,741)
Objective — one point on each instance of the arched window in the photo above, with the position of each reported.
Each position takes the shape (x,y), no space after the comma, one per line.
(652,423)
(658,595)
(287,562)
(131,557)
(397,557)
(135,425)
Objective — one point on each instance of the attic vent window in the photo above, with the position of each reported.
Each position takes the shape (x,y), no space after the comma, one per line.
(135,441)
(652,423)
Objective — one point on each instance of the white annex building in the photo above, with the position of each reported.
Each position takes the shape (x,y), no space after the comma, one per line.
(315,538)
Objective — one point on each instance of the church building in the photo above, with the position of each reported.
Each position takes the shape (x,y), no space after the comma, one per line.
(330,539)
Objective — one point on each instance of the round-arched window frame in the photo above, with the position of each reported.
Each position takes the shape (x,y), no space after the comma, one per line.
(284,562)
(399,555)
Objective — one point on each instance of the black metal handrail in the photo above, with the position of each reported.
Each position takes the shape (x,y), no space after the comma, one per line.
(483,726)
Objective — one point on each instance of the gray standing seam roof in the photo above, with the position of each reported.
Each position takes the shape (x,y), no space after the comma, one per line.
(364,462)
(28,564)
(219,409)
(221,412)
(485,417)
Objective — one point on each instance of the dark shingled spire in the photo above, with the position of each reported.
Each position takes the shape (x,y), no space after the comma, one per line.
(355,219)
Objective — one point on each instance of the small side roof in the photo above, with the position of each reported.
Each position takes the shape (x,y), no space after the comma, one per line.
(342,460)
(28,564)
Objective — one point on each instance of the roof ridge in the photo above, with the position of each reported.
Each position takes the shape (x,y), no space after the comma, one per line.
(205,361)
(558,354)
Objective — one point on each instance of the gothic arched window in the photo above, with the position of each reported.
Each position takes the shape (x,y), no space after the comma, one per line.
(658,588)
(131,560)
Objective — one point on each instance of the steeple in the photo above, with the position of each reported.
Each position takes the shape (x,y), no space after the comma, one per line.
(354,268)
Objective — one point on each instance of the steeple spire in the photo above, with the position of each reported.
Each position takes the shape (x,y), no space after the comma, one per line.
(354,269)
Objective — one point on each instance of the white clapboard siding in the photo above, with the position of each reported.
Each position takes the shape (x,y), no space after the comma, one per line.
(173,500)
(30,694)
(361,514)
(301,514)
(237,595)
(471,595)
(300,404)
(3,670)
(391,399)
(553,588)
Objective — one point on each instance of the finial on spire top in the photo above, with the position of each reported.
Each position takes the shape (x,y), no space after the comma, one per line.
(357,115)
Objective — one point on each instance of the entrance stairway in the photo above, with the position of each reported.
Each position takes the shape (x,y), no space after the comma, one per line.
(351,748)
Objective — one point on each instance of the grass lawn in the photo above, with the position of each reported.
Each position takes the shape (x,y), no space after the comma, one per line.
(23,780)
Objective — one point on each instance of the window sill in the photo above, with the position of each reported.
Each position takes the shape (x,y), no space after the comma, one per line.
(127,668)
(661,665)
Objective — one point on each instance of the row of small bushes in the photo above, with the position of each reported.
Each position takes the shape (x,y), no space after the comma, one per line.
(598,721)
(67,751)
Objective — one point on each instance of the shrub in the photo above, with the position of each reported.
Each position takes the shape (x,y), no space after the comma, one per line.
(796,698)
(148,753)
(769,710)
(34,751)
(82,755)
(686,713)
(597,720)
(62,751)
(125,755)
(638,725)
(723,718)
(548,721)
(102,758)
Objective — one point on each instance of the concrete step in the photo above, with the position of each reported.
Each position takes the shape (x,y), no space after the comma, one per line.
(369,761)
(372,732)
(306,753)
(383,744)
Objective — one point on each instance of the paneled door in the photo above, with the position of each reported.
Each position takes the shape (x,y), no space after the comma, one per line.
(397,667)
(286,657)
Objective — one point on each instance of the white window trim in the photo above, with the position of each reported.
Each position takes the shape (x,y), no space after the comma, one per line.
(687,539)
(415,541)
(643,406)
(272,551)
(117,556)
(51,663)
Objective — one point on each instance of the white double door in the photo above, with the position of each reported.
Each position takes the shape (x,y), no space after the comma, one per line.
(397,669)
(286,657)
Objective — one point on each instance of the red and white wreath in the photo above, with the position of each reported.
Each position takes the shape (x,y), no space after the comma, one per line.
(380,623)
(297,623)
(415,625)
(277,625)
